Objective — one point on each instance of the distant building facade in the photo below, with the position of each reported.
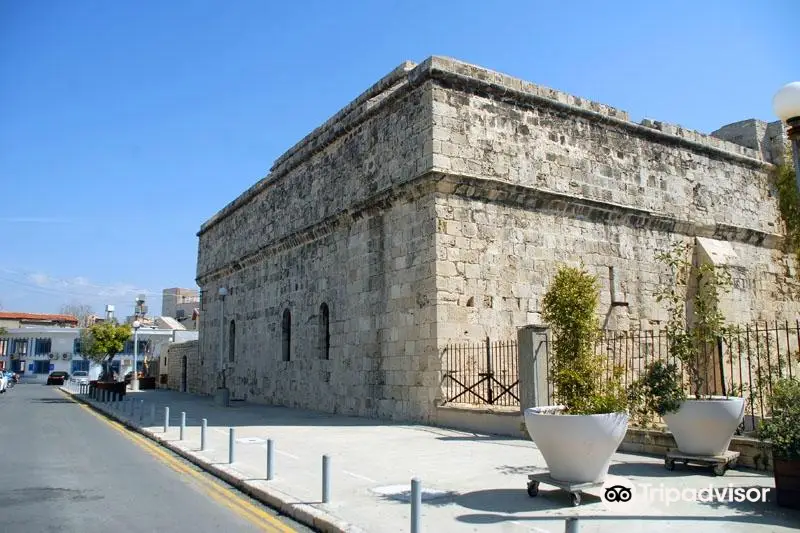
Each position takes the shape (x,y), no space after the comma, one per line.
(35,351)
(182,305)
(10,319)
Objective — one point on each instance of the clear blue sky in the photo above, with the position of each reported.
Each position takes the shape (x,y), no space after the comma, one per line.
(125,125)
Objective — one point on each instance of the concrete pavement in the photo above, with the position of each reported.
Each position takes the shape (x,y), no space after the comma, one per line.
(470,482)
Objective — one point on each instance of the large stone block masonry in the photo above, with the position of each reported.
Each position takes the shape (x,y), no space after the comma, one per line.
(437,207)
(183,367)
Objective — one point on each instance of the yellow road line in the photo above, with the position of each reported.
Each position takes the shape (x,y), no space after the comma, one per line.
(219,494)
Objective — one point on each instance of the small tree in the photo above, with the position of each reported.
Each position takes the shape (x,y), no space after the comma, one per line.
(576,370)
(103,342)
(80,311)
(692,291)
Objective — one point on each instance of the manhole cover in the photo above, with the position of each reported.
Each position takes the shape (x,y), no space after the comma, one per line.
(250,440)
(403,493)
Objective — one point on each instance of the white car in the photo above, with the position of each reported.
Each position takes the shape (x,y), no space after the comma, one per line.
(80,377)
(3,383)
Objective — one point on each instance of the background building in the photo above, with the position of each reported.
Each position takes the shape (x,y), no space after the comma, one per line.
(182,305)
(36,350)
(17,320)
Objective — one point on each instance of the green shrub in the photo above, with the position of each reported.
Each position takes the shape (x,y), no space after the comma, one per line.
(658,391)
(576,371)
(783,429)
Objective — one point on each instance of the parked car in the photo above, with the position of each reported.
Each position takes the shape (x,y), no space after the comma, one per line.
(57,378)
(129,376)
(80,377)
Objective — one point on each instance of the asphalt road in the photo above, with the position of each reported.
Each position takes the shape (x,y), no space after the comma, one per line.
(66,469)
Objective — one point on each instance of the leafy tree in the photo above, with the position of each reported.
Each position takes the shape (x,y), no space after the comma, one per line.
(80,311)
(103,342)
(86,341)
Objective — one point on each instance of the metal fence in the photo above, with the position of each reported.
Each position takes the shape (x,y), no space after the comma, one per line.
(745,361)
(481,373)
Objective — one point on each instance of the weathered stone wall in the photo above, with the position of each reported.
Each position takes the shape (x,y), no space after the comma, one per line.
(497,261)
(174,354)
(616,163)
(767,138)
(376,278)
(531,184)
(338,221)
(437,207)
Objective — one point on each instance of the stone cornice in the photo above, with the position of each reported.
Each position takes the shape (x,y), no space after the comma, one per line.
(560,204)
(462,76)
(503,193)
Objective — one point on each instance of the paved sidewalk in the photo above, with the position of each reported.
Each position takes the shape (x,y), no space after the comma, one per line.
(470,482)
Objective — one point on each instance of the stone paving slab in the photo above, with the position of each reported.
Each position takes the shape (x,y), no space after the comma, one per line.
(470,482)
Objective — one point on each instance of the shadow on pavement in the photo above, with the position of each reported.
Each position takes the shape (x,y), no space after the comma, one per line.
(653,469)
(649,469)
(517,500)
(476,438)
(630,520)
(53,400)
(498,500)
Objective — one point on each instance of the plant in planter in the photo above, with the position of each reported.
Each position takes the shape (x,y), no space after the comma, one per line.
(782,431)
(702,425)
(657,392)
(578,436)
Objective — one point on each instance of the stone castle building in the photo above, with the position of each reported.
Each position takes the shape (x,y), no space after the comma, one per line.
(438,205)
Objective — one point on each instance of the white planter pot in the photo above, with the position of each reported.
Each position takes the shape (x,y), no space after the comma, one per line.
(705,427)
(577,448)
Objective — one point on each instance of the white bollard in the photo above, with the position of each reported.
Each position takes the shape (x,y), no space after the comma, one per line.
(416,505)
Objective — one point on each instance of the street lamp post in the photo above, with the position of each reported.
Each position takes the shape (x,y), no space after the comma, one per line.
(223,394)
(135,374)
(786,105)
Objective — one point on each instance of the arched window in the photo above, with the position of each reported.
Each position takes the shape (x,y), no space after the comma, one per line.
(232,342)
(286,327)
(324,331)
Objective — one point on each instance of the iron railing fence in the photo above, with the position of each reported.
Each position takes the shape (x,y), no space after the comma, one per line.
(482,373)
(745,361)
